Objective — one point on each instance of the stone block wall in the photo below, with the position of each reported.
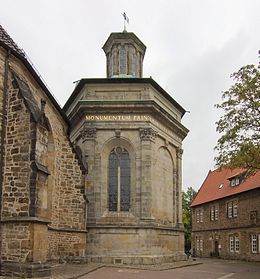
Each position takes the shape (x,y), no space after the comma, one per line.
(151,230)
(217,232)
(17,241)
(67,246)
(135,245)
(43,190)
(16,192)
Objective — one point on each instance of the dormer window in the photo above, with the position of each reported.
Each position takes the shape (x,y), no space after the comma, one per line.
(235,181)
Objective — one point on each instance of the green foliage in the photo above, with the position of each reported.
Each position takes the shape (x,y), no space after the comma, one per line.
(239,144)
(187,198)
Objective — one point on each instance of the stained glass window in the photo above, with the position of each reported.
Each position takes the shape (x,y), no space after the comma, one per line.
(119,180)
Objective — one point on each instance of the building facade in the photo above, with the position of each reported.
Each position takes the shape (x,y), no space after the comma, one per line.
(42,181)
(130,133)
(226,216)
(99,180)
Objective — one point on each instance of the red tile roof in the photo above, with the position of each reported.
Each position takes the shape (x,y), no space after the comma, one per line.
(217,185)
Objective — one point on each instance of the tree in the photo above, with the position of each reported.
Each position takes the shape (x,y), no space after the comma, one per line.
(239,144)
(187,198)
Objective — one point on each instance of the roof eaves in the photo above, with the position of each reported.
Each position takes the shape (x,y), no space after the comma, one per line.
(82,82)
(226,196)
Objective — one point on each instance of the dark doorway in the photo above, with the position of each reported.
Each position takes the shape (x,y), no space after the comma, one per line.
(216,251)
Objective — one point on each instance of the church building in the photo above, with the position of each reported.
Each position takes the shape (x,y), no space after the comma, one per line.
(98,180)
(130,134)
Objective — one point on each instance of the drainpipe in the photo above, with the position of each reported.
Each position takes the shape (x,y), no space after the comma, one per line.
(4,120)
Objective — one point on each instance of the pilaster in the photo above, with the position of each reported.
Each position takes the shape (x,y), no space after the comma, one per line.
(88,135)
(179,153)
(147,137)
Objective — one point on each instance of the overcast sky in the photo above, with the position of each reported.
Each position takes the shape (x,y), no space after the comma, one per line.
(192,48)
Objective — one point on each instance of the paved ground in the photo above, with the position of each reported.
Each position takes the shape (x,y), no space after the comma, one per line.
(199,269)
(209,269)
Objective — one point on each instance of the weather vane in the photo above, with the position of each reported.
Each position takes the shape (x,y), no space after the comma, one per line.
(126,19)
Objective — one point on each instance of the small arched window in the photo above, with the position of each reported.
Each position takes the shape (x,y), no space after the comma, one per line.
(119,180)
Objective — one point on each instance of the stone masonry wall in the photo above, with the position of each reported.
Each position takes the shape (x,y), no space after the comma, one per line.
(62,205)
(16,242)
(243,226)
(67,246)
(15,200)
(2,70)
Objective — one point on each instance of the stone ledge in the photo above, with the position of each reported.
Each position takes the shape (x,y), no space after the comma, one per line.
(140,260)
(67,230)
(24,219)
(25,270)
(135,226)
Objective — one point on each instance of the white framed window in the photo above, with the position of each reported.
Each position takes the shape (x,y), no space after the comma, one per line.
(201,216)
(201,245)
(212,217)
(237,244)
(198,244)
(231,244)
(216,212)
(259,243)
(254,243)
(198,216)
(232,209)
(234,181)
(235,210)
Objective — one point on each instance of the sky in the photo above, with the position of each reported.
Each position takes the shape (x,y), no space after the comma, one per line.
(192,48)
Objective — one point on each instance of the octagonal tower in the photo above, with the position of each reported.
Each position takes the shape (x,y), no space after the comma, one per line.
(125,53)
(129,131)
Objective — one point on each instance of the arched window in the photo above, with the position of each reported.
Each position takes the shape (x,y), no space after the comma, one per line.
(119,180)
(122,60)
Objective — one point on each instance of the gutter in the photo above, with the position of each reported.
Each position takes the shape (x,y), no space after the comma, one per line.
(4,120)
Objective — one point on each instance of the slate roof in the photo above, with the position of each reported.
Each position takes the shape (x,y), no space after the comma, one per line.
(8,41)
(217,185)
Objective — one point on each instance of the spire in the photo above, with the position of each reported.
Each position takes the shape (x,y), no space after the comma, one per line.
(125,54)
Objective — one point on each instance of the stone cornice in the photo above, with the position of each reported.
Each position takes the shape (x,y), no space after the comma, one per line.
(66,230)
(146,106)
(136,226)
(149,81)
(24,219)
(228,228)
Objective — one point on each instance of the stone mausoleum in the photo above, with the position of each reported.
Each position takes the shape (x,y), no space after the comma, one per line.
(98,180)
(129,132)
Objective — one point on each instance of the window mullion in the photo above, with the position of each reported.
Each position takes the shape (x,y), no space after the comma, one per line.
(118,187)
